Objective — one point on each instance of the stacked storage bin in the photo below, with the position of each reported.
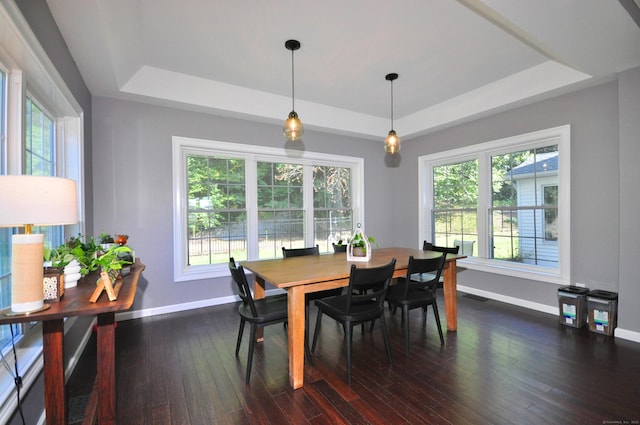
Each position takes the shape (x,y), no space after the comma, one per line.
(573,306)
(603,311)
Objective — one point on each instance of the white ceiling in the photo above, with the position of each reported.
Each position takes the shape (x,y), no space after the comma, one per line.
(456,59)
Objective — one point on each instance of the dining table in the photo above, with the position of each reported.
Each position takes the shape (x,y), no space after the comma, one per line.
(301,275)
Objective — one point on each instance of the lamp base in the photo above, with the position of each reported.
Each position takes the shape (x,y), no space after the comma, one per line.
(10,313)
(27,287)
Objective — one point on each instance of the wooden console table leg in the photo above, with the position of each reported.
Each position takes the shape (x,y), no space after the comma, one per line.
(106,372)
(54,391)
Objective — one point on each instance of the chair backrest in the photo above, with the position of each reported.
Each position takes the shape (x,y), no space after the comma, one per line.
(244,291)
(299,252)
(339,248)
(428,246)
(465,246)
(368,285)
(428,266)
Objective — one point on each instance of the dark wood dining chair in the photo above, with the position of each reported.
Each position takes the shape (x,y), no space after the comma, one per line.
(363,302)
(311,296)
(258,313)
(409,294)
(428,246)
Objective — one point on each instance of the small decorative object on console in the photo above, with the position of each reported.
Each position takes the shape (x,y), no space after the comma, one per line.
(359,248)
(53,284)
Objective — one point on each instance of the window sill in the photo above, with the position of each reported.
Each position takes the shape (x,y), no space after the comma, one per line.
(518,270)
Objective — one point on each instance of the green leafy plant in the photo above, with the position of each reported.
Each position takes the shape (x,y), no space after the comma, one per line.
(358,241)
(73,249)
(112,259)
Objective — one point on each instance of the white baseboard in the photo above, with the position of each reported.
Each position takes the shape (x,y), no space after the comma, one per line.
(127,315)
(511,300)
(618,332)
(626,334)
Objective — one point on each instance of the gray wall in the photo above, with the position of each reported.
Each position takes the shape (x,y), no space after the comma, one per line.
(604,185)
(133,184)
(629,171)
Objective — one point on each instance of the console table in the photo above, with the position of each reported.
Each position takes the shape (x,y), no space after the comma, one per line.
(75,302)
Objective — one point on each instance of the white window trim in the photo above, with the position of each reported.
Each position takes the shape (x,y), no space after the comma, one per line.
(183,146)
(558,135)
(28,67)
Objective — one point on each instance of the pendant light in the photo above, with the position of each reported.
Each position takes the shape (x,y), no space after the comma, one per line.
(392,141)
(292,127)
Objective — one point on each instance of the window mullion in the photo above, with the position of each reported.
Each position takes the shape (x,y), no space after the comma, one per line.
(484,204)
(251,187)
(309,231)
(15,102)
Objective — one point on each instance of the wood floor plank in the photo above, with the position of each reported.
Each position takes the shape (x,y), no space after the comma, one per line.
(504,365)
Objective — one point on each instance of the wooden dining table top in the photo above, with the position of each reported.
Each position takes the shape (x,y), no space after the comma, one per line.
(284,273)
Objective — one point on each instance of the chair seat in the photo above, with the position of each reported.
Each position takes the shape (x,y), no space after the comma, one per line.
(271,309)
(335,307)
(417,297)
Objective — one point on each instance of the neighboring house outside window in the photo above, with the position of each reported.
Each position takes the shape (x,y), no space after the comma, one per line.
(506,203)
(535,183)
(247,202)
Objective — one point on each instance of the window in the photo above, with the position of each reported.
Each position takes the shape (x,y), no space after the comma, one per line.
(217,214)
(40,133)
(508,199)
(521,181)
(281,210)
(247,202)
(40,158)
(455,203)
(332,204)
(5,234)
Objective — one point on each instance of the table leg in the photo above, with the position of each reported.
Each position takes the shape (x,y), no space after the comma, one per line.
(296,319)
(450,295)
(52,350)
(106,369)
(258,293)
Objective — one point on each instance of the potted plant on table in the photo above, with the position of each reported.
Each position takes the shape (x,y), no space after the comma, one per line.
(112,261)
(359,247)
(74,256)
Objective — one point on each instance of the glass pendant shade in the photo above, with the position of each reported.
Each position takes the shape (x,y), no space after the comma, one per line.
(392,143)
(293,128)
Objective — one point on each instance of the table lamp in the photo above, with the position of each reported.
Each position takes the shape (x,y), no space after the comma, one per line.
(28,201)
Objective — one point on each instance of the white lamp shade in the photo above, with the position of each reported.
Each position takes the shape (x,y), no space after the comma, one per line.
(37,200)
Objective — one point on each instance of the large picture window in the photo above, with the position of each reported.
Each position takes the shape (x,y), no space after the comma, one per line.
(248,202)
(506,203)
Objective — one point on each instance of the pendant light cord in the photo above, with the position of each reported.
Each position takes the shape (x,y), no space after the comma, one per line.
(293,92)
(391,104)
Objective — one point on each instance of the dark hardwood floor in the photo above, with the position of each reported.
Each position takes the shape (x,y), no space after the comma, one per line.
(504,365)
